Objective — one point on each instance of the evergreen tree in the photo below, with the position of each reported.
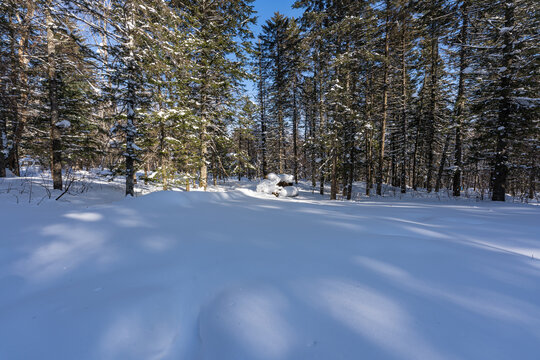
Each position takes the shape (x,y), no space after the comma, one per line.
(221,34)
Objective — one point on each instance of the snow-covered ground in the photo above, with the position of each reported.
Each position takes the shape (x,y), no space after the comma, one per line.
(234,274)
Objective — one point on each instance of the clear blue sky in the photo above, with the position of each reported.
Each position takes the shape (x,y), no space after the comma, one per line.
(266,8)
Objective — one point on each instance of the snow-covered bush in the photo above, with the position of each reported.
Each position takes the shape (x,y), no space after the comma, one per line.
(286,178)
(288,191)
(267,186)
(273,177)
(275,184)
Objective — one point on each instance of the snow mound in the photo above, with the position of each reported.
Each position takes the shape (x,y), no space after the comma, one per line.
(273,177)
(286,178)
(10,174)
(288,191)
(64,124)
(267,186)
(270,185)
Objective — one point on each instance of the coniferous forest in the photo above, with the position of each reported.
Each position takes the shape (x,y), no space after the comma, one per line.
(441,95)
(269,179)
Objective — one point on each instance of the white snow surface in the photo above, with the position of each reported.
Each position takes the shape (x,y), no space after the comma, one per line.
(237,274)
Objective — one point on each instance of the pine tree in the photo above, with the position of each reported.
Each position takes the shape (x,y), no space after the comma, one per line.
(275,41)
(18,27)
(506,96)
(221,34)
(459,107)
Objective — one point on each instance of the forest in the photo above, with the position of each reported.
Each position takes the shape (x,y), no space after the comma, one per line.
(441,95)
(269,179)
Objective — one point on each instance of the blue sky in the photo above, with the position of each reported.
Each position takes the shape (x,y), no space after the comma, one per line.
(266,8)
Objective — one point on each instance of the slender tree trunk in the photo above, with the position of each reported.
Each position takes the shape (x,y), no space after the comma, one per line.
(352,157)
(281,137)
(322,129)
(385,101)
(295,131)
(349,137)
(415,158)
(262,110)
(369,161)
(432,108)
(312,132)
(442,163)
(369,134)
(56,138)
(532,180)
(130,143)
(5,88)
(20,78)
(203,182)
(3,143)
(161,156)
(240,166)
(131,130)
(460,100)
(403,108)
(393,172)
(505,108)
(263,143)
(216,170)
(280,116)
(333,185)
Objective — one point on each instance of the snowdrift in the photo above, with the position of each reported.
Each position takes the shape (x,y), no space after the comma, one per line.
(233,275)
(278,185)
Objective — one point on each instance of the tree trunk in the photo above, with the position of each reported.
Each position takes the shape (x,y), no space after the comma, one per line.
(403,108)
(369,134)
(415,158)
(432,112)
(532,180)
(385,101)
(322,129)
(441,165)
(351,172)
(131,130)
(295,131)
(333,185)
(20,78)
(203,182)
(393,173)
(312,132)
(505,108)
(460,100)
(56,138)
(281,140)
(3,145)
(263,120)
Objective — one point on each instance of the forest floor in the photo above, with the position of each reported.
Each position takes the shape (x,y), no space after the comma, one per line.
(234,274)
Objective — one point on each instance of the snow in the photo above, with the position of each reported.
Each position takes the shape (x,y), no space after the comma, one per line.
(270,185)
(290,191)
(286,178)
(273,177)
(64,124)
(267,186)
(235,274)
